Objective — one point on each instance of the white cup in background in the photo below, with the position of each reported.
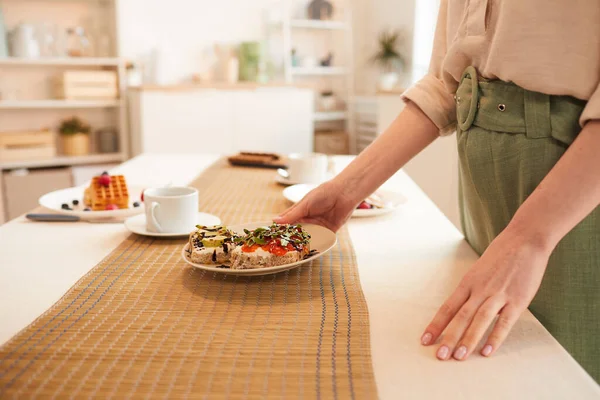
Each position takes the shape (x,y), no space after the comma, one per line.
(307,168)
(171,209)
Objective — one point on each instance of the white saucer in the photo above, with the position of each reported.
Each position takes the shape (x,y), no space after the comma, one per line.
(137,225)
(284,181)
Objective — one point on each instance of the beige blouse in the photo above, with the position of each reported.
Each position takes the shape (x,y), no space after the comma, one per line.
(548,46)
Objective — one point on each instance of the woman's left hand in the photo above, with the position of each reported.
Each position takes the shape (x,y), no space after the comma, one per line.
(501,283)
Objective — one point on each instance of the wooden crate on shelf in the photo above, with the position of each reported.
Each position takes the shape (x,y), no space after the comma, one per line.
(331,142)
(25,146)
(87,85)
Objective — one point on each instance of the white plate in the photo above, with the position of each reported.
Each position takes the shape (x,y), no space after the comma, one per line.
(137,225)
(54,200)
(392,200)
(322,240)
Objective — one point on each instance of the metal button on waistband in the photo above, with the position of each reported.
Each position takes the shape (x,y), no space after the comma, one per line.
(501,107)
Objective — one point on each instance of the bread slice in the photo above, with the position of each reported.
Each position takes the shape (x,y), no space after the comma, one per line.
(200,253)
(209,255)
(264,259)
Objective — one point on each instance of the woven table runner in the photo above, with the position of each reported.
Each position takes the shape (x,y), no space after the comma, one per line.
(144,324)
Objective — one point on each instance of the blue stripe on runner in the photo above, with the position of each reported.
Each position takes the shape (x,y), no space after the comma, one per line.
(349,335)
(335,325)
(321,327)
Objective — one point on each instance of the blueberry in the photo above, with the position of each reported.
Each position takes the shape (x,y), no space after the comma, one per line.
(75,202)
(65,206)
(136,204)
(87,209)
(104,173)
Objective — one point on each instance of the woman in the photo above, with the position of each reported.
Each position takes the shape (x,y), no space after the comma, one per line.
(519,82)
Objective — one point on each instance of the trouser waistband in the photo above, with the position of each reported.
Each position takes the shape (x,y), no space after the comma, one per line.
(505,107)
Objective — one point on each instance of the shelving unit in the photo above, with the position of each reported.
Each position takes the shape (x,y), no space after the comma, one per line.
(57,104)
(29,100)
(27,95)
(327,116)
(341,72)
(318,71)
(61,61)
(316,24)
(65,161)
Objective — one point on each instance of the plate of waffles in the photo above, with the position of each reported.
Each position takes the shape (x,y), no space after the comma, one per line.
(106,197)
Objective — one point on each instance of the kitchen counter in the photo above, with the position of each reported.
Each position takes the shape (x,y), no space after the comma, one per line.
(403,286)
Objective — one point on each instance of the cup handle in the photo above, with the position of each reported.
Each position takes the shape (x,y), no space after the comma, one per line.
(153,222)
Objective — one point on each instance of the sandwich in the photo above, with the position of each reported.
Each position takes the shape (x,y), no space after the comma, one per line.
(212,245)
(270,246)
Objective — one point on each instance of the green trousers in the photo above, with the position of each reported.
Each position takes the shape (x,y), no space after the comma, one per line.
(509,139)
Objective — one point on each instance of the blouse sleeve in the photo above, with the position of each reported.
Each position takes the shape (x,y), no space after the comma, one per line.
(429,93)
(592,109)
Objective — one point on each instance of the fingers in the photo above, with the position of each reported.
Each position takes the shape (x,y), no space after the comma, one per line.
(467,323)
(507,319)
(456,328)
(291,215)
(484,317)
(444,315)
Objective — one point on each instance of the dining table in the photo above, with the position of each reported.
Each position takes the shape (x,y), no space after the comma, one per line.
(409,261)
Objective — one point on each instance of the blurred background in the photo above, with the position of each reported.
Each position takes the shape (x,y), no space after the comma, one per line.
(88,84)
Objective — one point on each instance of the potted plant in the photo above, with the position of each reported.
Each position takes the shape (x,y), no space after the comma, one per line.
(320,10)
(389,59)
(75,136)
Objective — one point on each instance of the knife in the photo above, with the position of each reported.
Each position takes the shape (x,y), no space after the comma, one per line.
(68,218)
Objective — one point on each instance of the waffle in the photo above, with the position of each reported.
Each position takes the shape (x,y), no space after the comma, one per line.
(97,197)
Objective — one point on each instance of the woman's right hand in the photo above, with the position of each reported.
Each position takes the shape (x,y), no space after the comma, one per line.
(327,205)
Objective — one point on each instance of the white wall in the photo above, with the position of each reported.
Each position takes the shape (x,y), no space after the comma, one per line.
(183,29)
(436,169)
(425,20)
(370,18)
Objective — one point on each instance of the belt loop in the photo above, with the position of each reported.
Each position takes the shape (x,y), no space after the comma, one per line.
(472,73)
(537,115)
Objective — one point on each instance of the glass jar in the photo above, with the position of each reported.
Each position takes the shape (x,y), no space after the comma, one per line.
(78,43)
(249,61)
(108,140)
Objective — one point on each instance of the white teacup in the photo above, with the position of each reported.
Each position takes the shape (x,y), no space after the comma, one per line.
(171,209)
(307,168)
